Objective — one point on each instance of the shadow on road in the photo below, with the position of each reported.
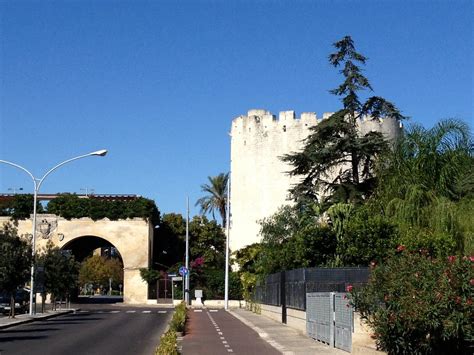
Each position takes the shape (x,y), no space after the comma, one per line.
(19,338)
(98,299)
(28,330)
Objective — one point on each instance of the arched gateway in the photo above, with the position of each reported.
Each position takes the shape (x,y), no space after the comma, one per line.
(132,238)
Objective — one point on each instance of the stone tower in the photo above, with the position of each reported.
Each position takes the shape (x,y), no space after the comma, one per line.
(259,179)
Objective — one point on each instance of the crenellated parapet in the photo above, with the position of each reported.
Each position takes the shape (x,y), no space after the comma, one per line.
(259,121)
(264,121)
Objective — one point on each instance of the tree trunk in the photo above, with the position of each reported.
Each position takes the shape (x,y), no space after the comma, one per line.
(355,167)
(12,306)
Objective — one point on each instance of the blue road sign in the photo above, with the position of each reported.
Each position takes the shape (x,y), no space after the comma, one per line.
(183,271)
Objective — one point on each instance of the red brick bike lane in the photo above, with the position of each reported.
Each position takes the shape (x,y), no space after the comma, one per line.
(217,332)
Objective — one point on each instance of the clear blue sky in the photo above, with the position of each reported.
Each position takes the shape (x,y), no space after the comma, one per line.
(157,83)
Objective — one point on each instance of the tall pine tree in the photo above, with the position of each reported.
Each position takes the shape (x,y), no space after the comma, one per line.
(337,161)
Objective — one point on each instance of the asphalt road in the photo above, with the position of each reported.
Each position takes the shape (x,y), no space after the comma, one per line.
(96,329)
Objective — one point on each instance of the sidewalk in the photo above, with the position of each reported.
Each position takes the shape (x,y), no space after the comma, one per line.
(282,337)
(6,322)
(216,331)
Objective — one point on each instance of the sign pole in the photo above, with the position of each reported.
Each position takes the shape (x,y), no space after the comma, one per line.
(186,276)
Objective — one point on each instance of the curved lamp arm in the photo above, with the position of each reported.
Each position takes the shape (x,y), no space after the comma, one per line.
(97,153)
(20,167)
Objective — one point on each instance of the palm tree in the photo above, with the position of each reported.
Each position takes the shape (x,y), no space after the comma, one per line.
(216,198)
(436,161)
(427,183)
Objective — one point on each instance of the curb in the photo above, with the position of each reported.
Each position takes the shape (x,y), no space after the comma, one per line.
(33,319)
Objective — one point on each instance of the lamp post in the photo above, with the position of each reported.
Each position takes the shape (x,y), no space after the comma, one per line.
(186,277)
(227,227)
(37,184)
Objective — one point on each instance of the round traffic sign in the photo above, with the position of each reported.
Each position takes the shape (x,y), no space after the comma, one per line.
(183,271)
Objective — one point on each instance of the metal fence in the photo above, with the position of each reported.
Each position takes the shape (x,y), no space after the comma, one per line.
(330,319)
(269,291)
(292,285)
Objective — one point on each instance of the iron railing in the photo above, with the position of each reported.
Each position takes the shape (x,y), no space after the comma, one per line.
(298,282)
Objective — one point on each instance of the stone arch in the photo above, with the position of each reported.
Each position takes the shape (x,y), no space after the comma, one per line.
(132,237)
(83,247)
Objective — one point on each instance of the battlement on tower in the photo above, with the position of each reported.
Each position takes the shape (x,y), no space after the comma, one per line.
(261,122)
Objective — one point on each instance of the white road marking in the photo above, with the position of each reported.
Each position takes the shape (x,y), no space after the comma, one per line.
(213,310)
(115,312)
(130,311)
(197,310)
(218,329)
(146,312)
(162,312)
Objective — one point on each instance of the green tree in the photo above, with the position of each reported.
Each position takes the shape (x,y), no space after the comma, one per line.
(207,240)
(216,198)
(293,237)
(20,206)
(246,257)
(366,238)
(60,273)
(71,206)
(249,271)
(337,160)
(169,242)
(426,188)
(214,285)
(15,262)
(97,270)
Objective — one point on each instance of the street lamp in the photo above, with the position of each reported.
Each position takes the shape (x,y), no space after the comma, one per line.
(37,184)
(15,189)
(227,233)
(186,276)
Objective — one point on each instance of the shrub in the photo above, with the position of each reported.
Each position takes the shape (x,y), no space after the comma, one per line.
(214,285)
(419,305)
(168,344)
(366,238)
(168,341)
(179,318)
